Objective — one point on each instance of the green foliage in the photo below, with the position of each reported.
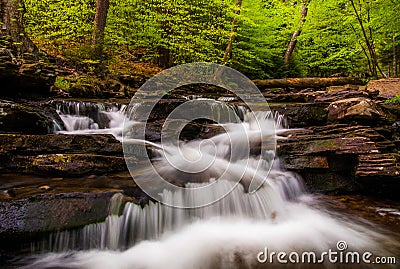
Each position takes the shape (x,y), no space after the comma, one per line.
(60,23)
(395,99)
(192,31)
(386,24)
(63,84)
(188,31)
(171,32)
(264,33)
(332,40)
(327,44)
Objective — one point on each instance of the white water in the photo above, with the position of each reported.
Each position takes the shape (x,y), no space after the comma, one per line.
(226,234)
(92,118)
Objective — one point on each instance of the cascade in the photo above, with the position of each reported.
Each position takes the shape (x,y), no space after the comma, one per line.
(226,234)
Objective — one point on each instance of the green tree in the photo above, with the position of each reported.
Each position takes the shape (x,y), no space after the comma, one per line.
(362,12)
(328,43)
(61,27)
(12,32)
(100,20)
(228,50)
(263,32)
(297,32)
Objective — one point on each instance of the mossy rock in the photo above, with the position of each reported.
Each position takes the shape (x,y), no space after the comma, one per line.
(93,87)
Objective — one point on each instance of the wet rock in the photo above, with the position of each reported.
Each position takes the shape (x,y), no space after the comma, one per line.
(329,183)
(356,145)
(26,119)
(378,165)
(31,207)
(190,131)
(151,111)
(302,115)
(52,212)
(307,162)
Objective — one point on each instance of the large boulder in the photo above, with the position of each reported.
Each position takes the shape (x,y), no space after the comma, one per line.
(358,108)
(24,78)
(27,118)
(26,221)
(302,115)
(51,212)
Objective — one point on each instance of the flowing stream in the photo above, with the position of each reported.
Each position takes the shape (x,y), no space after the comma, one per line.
(229,233)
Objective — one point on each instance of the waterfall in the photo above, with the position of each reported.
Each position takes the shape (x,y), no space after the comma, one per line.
(91,118)
(226,234)
(154,219)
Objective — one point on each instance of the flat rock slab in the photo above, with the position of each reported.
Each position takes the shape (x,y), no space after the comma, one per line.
(355,145)
(51,212)
(31,207)
(378,165)
(388,87)
(99,144)
(61,155)
(66,164)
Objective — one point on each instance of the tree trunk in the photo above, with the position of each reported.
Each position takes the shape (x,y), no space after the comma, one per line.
(100,20)
(12,27)
(394,58)
(368,42)
(293,40)
(229,47)
(165,56)
(306,82)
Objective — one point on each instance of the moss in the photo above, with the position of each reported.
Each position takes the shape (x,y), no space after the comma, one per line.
(61,158)
(63,83)
(325,144)
(395,99)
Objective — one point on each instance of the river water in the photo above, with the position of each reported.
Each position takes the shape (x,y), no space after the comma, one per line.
(234,232)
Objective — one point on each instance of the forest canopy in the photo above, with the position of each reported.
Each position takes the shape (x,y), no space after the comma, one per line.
(270,38)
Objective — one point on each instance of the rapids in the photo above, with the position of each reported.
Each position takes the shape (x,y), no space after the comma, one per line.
(229,233)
